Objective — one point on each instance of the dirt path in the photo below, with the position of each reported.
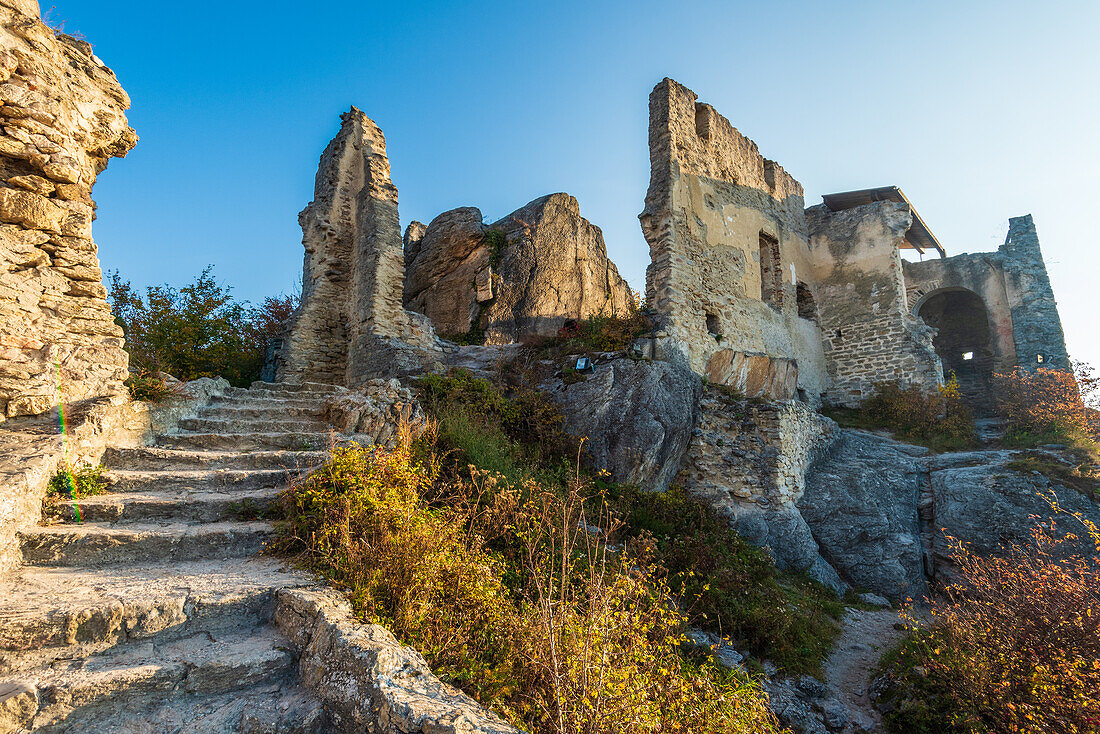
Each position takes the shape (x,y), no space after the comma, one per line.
(866,637)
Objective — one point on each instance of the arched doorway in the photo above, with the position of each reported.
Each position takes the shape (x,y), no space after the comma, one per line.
(962,342)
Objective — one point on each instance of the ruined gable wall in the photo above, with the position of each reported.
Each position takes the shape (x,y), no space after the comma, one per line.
(351,325)
(710,197)
(315,345)
(869,334)
(63,117)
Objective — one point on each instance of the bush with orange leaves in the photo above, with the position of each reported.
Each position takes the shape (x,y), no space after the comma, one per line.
(1014,647)
(1047,406)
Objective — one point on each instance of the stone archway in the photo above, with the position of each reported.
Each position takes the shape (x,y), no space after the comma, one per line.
(963,341)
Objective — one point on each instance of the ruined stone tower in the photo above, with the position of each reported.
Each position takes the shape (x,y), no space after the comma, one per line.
(351,324)
(63,116)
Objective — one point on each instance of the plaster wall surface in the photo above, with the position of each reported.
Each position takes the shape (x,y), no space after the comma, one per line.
(714,208)
(869,334)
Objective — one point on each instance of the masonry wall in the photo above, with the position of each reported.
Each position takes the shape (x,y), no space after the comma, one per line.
(62,114)
(748,459)
(1036,325)
(712,201)
(869,335)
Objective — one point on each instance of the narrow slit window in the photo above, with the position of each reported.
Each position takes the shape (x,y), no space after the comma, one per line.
(771,271)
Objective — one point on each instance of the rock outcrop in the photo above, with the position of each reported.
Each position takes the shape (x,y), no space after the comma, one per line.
(351,326)
(63,117)
(883,511)
(862,502)
(637,418)
(523,276)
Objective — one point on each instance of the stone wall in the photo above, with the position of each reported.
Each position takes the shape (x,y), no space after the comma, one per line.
(728,243)
(1012,320)
(748,459)
(62,113)
(869,334)
(1036,326)
(351,325)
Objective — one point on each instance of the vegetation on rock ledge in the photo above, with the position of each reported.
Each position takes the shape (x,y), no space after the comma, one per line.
(938,420)
(1014,647)
(555,597)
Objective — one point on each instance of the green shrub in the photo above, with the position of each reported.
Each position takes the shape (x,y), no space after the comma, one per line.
(77,482)
(939,420)
(148,388)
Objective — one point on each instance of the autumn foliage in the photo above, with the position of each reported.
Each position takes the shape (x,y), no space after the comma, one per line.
(1046,405)
(1014,646)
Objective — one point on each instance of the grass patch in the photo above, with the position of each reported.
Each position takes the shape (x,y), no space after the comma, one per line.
(730,587)
(1083,477)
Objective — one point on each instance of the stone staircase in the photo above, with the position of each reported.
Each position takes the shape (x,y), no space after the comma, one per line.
(151,610)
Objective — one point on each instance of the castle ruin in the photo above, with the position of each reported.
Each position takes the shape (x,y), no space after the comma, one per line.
(748,287)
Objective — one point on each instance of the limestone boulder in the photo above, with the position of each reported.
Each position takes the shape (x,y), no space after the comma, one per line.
(62,117)
(523,276)
(375,411)
(445,262)
(977,499)
(754,375)
(637,418)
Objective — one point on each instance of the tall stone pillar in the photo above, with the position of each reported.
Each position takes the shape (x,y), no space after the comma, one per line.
(351,325)
(1036,325)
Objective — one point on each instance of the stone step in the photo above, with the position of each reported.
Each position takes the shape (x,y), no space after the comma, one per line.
(74,612)
(220,480)
(178,505)
(263,708)
(256,401)
(93,543)
(249,441)
(147,458)
(87,695)
(285,389)
(253,425)
(253,411)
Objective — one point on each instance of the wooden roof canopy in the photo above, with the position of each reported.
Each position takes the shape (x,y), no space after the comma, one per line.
(919,237)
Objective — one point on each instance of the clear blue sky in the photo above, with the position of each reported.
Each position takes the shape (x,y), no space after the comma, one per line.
(978,110)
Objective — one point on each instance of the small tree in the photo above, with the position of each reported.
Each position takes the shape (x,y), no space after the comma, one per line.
(198,330)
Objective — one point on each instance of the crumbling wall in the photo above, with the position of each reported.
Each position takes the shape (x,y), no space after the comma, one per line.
(1024,329)
(869,335)
(728,244)
(522,276)
(351,325)
(1036,325)
(63,117)
(748,459)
